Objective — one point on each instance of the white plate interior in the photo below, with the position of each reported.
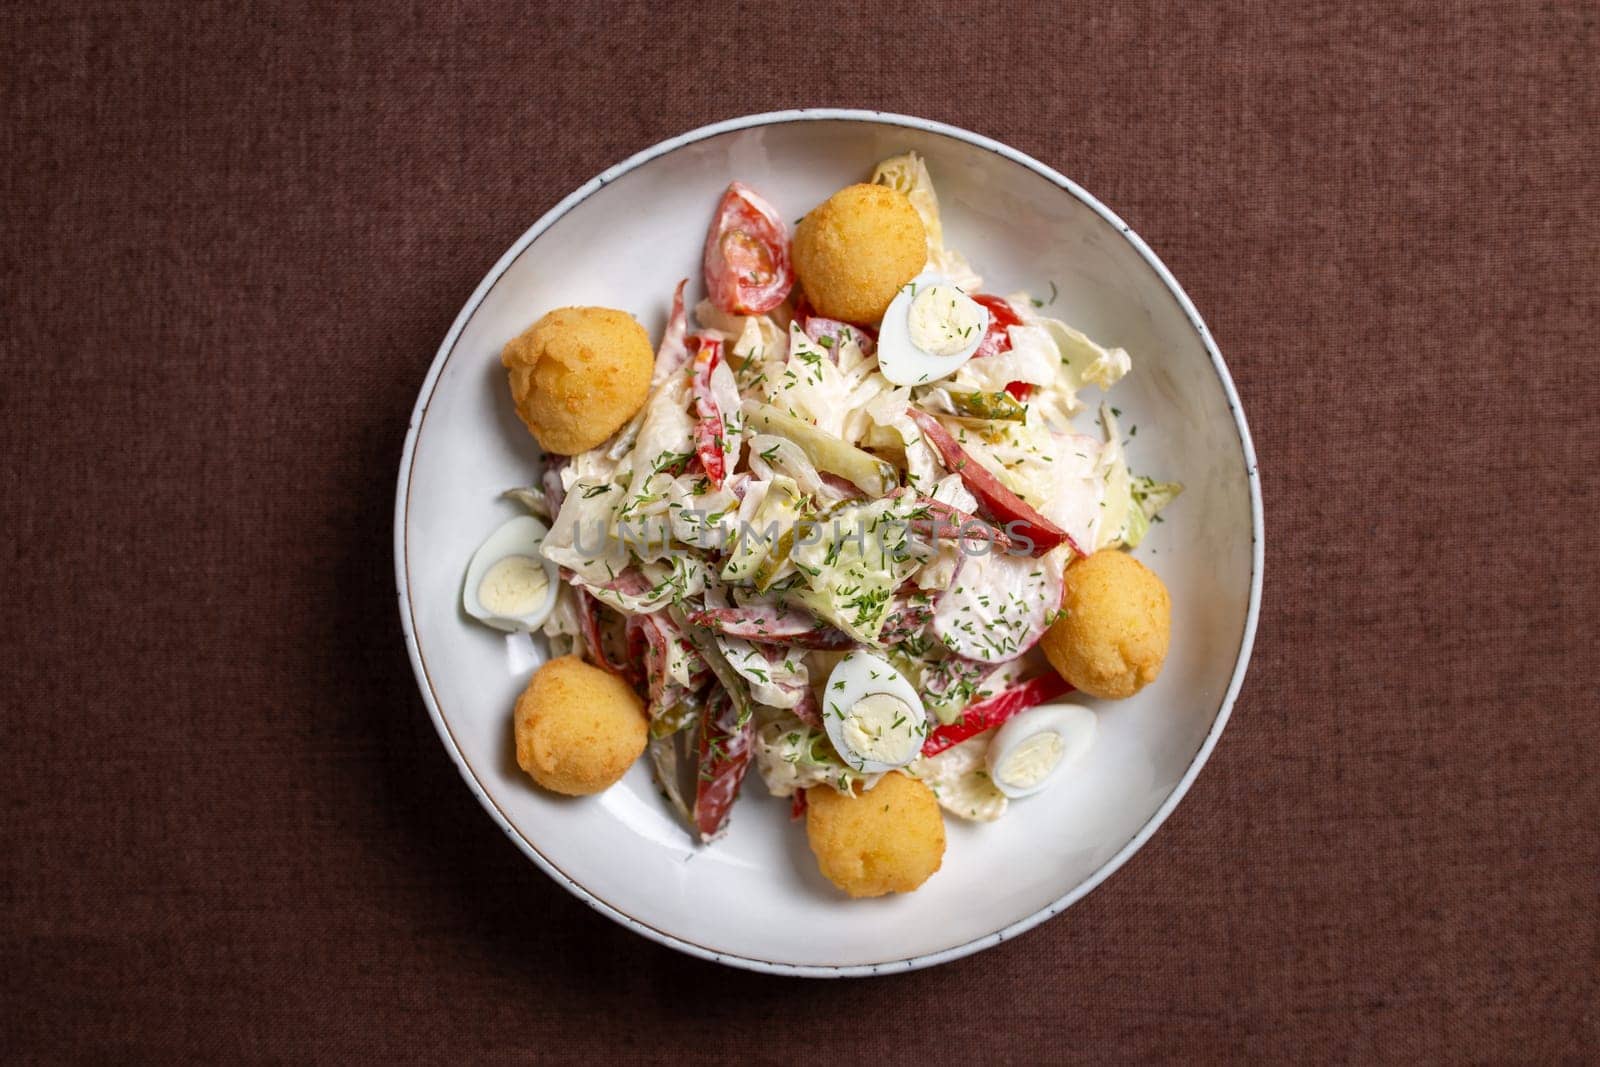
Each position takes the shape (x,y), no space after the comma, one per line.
(755,897)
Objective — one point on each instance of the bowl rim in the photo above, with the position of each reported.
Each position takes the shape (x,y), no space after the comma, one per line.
(639,159)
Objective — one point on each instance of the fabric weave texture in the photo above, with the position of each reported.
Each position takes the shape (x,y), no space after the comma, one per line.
(234,237)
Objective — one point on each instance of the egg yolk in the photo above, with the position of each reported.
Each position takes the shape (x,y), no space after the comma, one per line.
(881,728)
(1032,761)
(942,320)
(514,586)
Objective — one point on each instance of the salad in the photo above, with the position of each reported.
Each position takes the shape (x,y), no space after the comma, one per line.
(857,529)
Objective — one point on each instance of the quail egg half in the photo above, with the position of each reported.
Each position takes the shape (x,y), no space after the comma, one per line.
(1032,746)
(873,716)
(930,329)
(510,585)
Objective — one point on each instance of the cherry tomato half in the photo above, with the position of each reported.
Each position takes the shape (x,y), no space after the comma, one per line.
(1001,315)
(747,254)
(997,340)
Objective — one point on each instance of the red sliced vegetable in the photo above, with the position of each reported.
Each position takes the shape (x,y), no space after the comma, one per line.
(746,259)
(906,619)
(999,504)
(995,338)
(817,326)
(651,641)
(797,805)
(589,620)
(550,480)
(630,581)
(647,645)
(946,522)
(943,677)
(843,488)
(674,350)
(1001,316)
(831,333)
(775,632)
(991,712)
(806,709)
(726,745)
(772,626)
(708,418)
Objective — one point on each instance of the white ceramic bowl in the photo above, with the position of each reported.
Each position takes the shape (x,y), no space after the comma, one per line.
(755,899)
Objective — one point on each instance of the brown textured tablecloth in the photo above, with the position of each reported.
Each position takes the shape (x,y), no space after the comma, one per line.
(234,236)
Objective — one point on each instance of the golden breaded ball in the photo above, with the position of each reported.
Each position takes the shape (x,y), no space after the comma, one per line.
(578,374)
(855,250)
(890,839)
(1116,620)
(578,728)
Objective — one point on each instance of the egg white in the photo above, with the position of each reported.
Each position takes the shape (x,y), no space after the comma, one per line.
(855,677)
(901,361)
(521,536)
(1074,725)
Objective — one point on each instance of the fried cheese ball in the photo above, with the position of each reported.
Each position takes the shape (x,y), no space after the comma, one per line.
(889,839)
(578,728)
(578,374)
(1116,619)
(855,250)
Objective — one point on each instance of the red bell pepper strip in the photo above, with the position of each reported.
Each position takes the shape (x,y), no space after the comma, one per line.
(999,504)
(647,645)
(726,745)
(674,350)
(589,621)
(797,806)
(746,260)
(708,427)
(990,712)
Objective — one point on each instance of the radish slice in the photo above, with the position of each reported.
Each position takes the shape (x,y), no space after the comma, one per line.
(998,607)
